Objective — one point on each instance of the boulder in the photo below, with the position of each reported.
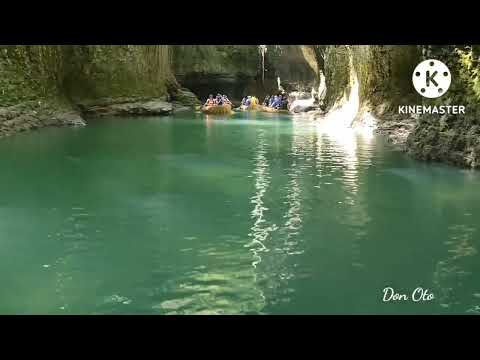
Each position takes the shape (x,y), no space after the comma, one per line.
(142,108)
(178,107)
(107,101)
(186,97)
(302,106)
(70,118)
(301,102)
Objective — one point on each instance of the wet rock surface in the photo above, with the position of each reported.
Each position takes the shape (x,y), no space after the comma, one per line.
(70,118)
(34,115)
(178,107)
(185,97)
(396,129)
(301,101)
(453,140)
(126,106)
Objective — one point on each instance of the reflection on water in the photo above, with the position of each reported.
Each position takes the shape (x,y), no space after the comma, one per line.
(261,229)
(293,215)
(318,158)
(344,151)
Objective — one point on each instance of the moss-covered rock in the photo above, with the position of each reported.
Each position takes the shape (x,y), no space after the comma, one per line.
(96,71)
(41,85)
(383,73)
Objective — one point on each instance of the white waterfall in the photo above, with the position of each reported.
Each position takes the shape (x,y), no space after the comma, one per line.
(263,49)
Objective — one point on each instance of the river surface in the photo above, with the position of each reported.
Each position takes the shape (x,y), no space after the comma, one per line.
(256,214)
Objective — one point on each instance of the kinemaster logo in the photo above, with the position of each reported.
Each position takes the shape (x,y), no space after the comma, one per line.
(431,79)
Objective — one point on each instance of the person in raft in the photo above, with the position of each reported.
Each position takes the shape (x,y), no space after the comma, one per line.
(266,100)
(210,101)
(276,102)
(226,100)
(279,102)
(284,102)
(270,102)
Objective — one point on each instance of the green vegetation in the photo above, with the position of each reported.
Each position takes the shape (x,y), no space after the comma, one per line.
(469,59)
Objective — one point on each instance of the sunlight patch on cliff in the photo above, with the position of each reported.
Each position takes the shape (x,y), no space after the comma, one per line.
(345,111)
(309,56)
(348,113)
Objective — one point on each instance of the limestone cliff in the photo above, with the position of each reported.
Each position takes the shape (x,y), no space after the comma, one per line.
(42,85)
(31,96)
(98,71)
(383,73)
(238,70)
(206,69)
(383,76)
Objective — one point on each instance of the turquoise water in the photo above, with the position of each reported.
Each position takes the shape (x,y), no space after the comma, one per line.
(257,214)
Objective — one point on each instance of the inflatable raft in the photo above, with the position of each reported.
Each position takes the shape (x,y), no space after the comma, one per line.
(249,108)
(272,110)
(217,110)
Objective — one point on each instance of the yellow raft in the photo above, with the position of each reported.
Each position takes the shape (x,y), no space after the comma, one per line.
(273,110)
(218,110)
(249,108)
(254,105)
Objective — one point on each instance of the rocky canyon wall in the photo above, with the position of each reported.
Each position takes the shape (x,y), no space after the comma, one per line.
(383,74)
(238,70)
(45,85)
